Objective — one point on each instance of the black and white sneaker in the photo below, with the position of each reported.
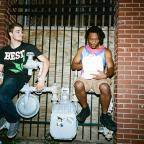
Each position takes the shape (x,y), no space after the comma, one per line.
(106,121)
(85,112)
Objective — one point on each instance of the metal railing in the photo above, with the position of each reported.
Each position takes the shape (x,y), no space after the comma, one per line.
(57,28)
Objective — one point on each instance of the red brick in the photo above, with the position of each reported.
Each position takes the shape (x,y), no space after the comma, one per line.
(131,106)
(131,136)
(125,122)
(122,101)
(124,141)
(129,58)
(141,41)
(139,101)
(141,96)
(137,141)
(137,54)
(139,18)
(137,63)
(141,126)
(138,111)
(122,130)
(139,9)
(131,14)
(131,40)
(131,116)
(120,125)
(124,111)
(131,125)
(120,135)
(134,50)
(132,5)
(132,22)
(138,1)
(125,9)
(119,106)
(142,22)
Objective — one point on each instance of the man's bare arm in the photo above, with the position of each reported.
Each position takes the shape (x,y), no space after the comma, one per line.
(110,64)
(76,63)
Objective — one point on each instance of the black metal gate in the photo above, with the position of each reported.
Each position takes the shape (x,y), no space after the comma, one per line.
(57,28)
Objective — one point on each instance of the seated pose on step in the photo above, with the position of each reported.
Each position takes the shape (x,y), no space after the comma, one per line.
(97,67)
(12,60)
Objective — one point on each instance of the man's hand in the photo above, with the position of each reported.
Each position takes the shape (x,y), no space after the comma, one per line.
(40,85)
(100,75)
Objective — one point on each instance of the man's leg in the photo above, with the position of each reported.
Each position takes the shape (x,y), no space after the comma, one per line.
(105,98)
(82,97)
(8,90)
(81,93)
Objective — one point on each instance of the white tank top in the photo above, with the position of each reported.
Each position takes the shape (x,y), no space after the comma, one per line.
(92,62)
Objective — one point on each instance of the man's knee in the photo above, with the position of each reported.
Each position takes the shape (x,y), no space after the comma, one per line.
(78,85)
(104,87)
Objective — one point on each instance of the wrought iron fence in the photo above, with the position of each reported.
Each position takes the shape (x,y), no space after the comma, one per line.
(57,28)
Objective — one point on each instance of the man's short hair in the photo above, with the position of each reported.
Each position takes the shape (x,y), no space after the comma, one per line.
(12,26)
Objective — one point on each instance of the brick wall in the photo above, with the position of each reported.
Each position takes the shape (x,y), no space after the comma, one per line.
(129,60)
(129,80)
(5,19)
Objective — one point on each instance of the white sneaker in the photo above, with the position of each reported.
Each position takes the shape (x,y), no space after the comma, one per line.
(13,129)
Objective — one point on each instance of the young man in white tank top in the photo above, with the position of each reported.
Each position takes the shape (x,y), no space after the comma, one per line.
(97,67)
